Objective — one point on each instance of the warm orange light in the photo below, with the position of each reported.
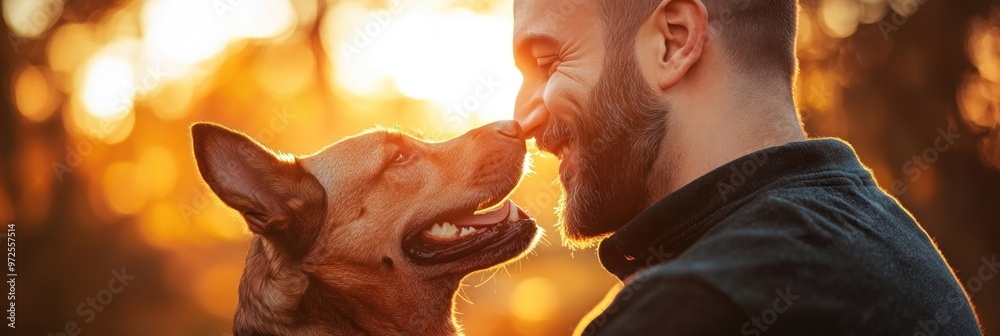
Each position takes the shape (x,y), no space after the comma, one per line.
(219,221)
(34,94)
(984,48)
(805,28)
(284,71)
(109,131)
(161,225)
(108,87)
(534,299)
(255,19)
(69,47)
(158,168)
(840,17)
(978,108)
(977,97)
(186,31)
(471,82)
(173,101)
(29,18)
(125,191)
(216,289)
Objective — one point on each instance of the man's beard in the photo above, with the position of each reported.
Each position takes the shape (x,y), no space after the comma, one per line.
(615,141)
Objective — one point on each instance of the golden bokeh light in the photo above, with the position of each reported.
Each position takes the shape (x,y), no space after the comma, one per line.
(255,19)
(984,48)
(159,169)
(873,11)
(348,32)
(805,28)
(473,81)
(34,94)
(306,12)
(841,17)
(978,103)
(30,18)
(980,92)
(904,7)
(112,95)
(286,70)
(162,226)
(186,31)
(534,299)
(69,47)
(108,87)
(173,101)
(80,122)
(217,220)
(125,190)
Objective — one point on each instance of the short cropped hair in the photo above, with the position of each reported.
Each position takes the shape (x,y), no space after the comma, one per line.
(757,36)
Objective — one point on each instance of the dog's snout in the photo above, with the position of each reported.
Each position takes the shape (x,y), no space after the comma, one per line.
(510,129)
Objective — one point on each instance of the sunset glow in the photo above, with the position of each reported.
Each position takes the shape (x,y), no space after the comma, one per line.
(106,100)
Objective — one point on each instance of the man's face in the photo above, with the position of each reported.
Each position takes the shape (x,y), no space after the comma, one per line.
(588,104)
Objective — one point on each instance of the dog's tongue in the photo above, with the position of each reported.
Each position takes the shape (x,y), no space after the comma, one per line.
(488,218)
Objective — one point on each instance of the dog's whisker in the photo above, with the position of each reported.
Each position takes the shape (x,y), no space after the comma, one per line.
(495,270)
(544,241)
(463,295)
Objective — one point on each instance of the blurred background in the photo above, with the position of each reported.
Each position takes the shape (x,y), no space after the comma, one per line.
(97,172)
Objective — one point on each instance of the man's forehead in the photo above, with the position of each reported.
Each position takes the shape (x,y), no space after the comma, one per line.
(549,17)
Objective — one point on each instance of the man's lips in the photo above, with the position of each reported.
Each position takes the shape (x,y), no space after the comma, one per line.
(559,148)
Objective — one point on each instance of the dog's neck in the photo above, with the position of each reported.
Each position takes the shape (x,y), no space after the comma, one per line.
(279,298)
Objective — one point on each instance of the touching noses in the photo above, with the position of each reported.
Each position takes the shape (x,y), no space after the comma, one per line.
(509,129)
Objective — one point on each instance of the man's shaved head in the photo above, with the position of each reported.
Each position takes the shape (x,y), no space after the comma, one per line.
(756,36)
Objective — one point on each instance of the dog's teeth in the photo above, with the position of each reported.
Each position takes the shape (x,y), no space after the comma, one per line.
(439,231)
(514,215)
(435,230)
(449,230)
(467,231)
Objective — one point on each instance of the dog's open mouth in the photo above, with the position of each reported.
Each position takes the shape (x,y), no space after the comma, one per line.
(456,237)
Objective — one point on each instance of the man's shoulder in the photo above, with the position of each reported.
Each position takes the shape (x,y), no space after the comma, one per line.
(828,210)
(807,232)
(848,256)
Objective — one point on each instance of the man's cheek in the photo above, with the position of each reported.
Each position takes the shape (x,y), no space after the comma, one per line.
(565,97)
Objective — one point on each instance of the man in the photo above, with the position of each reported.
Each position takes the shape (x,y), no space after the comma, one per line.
(682,154)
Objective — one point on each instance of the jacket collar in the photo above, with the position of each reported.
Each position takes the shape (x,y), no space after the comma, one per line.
(673,224)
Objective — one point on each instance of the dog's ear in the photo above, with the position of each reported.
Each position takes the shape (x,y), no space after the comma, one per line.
(273,192)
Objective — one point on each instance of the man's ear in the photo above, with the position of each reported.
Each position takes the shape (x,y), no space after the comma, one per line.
(676,33)
(274,193)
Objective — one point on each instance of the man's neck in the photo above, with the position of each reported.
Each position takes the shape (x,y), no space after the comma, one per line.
(701,137)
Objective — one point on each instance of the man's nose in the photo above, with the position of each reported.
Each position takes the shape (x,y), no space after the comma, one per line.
(532,119)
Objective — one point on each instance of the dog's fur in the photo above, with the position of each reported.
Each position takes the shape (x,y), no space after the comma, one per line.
(326,256)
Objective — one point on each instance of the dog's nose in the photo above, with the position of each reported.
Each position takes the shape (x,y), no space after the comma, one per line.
(510,129)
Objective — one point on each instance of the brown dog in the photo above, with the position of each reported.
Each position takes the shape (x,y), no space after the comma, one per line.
(371,235)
